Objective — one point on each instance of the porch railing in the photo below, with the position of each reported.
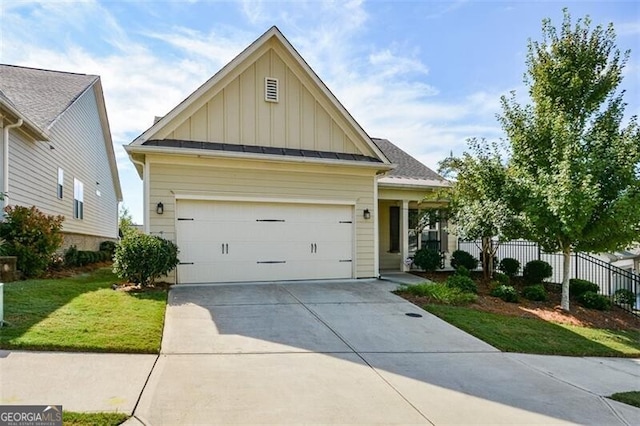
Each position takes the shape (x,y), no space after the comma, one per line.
(613,281)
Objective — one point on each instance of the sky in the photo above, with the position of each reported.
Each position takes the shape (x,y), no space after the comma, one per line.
(426,75)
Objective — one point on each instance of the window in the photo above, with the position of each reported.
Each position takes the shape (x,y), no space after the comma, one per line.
(60,182)
(394,229)
(78,199)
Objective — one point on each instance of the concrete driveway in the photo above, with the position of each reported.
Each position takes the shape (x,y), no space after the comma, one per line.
(346,352)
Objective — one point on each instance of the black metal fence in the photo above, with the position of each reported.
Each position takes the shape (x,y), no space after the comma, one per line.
(621,285)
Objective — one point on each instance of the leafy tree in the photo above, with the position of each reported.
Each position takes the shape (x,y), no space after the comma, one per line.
(480,200)
(576,166)
(32,236)
(125,223)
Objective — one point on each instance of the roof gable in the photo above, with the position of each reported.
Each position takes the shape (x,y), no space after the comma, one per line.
(231,108)
(42,95)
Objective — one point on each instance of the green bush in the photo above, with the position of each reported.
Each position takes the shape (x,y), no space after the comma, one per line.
(463,258)
(509,266)
(463,283)
(108,246)
(501,278)
(593,300)
(535,292)
(441,293)
(463,272)
(624,296)
(142,258)
(536,271)
(74,257)
(32,236)
(578,287)
(427,259)
(506,293)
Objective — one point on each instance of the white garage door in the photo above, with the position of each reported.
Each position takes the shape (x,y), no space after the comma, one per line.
(238,241)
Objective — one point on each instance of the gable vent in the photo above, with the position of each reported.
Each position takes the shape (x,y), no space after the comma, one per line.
(271,89)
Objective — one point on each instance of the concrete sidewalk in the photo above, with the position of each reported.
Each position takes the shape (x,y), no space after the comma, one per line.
(339,352)
(84,382)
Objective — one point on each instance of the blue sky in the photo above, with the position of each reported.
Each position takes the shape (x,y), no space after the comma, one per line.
(425,74)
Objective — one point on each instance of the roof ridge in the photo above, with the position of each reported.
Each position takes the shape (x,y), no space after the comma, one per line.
(47,70)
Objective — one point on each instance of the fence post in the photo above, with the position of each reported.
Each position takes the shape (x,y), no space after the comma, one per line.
(576,258)
(539,251)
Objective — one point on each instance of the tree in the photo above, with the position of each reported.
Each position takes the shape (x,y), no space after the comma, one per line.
(480,200)
(576,167)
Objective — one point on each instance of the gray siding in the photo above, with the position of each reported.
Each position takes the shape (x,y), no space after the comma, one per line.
(79,149)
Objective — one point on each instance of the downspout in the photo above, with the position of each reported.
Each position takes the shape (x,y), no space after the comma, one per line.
(145,207)
(5,160)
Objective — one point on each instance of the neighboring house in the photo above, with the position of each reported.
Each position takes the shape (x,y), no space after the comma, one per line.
(629,260)
(262,174)
(57,152)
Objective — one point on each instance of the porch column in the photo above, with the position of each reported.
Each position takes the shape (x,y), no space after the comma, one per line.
(404,235)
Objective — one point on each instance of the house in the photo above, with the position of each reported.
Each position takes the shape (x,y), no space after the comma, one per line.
(261,174)
(57,152)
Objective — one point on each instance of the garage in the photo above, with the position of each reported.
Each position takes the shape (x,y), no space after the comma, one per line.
(229,241)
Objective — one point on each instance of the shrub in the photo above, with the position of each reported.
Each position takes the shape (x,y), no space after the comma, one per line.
(427,259)
(535,292)
(463,283)
(536,271)
(463,258)
(463,272)
(142,258)
(441,293)
(624,296)
(108,246)
(593,300)
(509,266)
(578,287)
(32,236)
(506,293)
(501,278)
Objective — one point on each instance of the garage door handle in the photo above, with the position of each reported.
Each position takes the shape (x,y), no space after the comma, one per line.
(314,248)
(225,248)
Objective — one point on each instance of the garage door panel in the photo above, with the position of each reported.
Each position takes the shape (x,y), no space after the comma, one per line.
(237,241)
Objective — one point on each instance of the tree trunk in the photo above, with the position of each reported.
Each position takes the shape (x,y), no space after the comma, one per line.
(487,258)
(566,268)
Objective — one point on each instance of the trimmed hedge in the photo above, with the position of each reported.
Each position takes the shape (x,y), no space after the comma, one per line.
(536,293)
(509,266)
(427,259)
(463,258)
(578,287)
(536,271)
(74,257)
(594,300)
(506,293)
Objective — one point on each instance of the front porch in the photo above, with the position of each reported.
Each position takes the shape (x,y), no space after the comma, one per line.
(398,213)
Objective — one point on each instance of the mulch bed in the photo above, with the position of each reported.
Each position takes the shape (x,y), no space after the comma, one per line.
(615,319)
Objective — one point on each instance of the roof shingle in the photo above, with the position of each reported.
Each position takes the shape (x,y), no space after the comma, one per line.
(407,166)
(41,95)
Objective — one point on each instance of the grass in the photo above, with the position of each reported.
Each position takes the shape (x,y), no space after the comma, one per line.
(71,418)
(81,313)
(440,293)
(526,335)
(631,398)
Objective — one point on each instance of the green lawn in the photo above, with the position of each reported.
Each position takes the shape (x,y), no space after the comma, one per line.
(81,313)
(631,398)
(70,418)
(512,334)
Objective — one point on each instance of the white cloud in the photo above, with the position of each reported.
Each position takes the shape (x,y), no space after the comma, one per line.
(385,87)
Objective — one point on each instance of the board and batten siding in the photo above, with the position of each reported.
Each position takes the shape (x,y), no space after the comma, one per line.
(235,111)
(253,180)
(77,145)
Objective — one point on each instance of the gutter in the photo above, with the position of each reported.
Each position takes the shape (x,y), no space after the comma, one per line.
(5,165)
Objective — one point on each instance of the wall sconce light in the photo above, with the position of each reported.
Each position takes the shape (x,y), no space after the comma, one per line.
(160,208)
(366,214)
